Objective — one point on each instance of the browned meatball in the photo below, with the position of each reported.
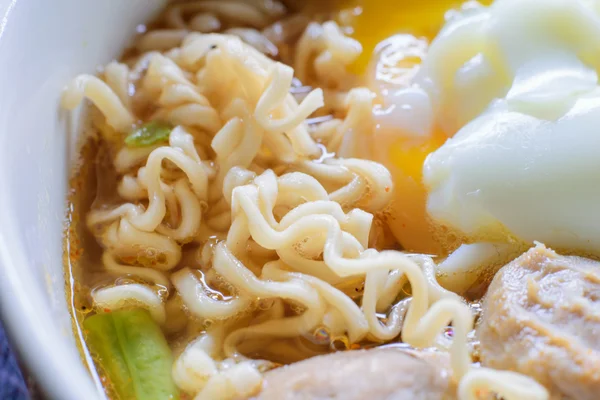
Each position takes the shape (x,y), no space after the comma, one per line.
(541,317)
(384,373)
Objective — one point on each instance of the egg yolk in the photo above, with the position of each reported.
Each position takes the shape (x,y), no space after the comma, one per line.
(402,153)
(375,20)
(408,216)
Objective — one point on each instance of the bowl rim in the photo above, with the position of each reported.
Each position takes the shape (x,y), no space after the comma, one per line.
(41,348)
(39,345)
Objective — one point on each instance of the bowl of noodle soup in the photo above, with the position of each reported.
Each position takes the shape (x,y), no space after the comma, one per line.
(277,199)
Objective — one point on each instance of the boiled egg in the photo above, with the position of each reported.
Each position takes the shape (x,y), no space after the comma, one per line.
(518,82)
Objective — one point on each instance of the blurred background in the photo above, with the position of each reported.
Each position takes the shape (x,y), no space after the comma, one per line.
(14,384)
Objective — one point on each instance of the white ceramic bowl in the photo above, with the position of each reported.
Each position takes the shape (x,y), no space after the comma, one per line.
(43,44)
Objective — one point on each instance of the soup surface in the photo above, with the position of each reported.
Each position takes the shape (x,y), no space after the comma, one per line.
(263,184)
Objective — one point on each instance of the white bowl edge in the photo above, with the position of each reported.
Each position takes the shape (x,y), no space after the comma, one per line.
(43,44)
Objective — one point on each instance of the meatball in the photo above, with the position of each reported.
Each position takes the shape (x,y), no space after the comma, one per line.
(383,373)
(541,317)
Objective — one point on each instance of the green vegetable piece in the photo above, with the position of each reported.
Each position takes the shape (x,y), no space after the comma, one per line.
(105,345)
(132,351)
(149,134)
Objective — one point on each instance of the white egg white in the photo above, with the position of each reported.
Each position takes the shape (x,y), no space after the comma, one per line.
(516,84)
